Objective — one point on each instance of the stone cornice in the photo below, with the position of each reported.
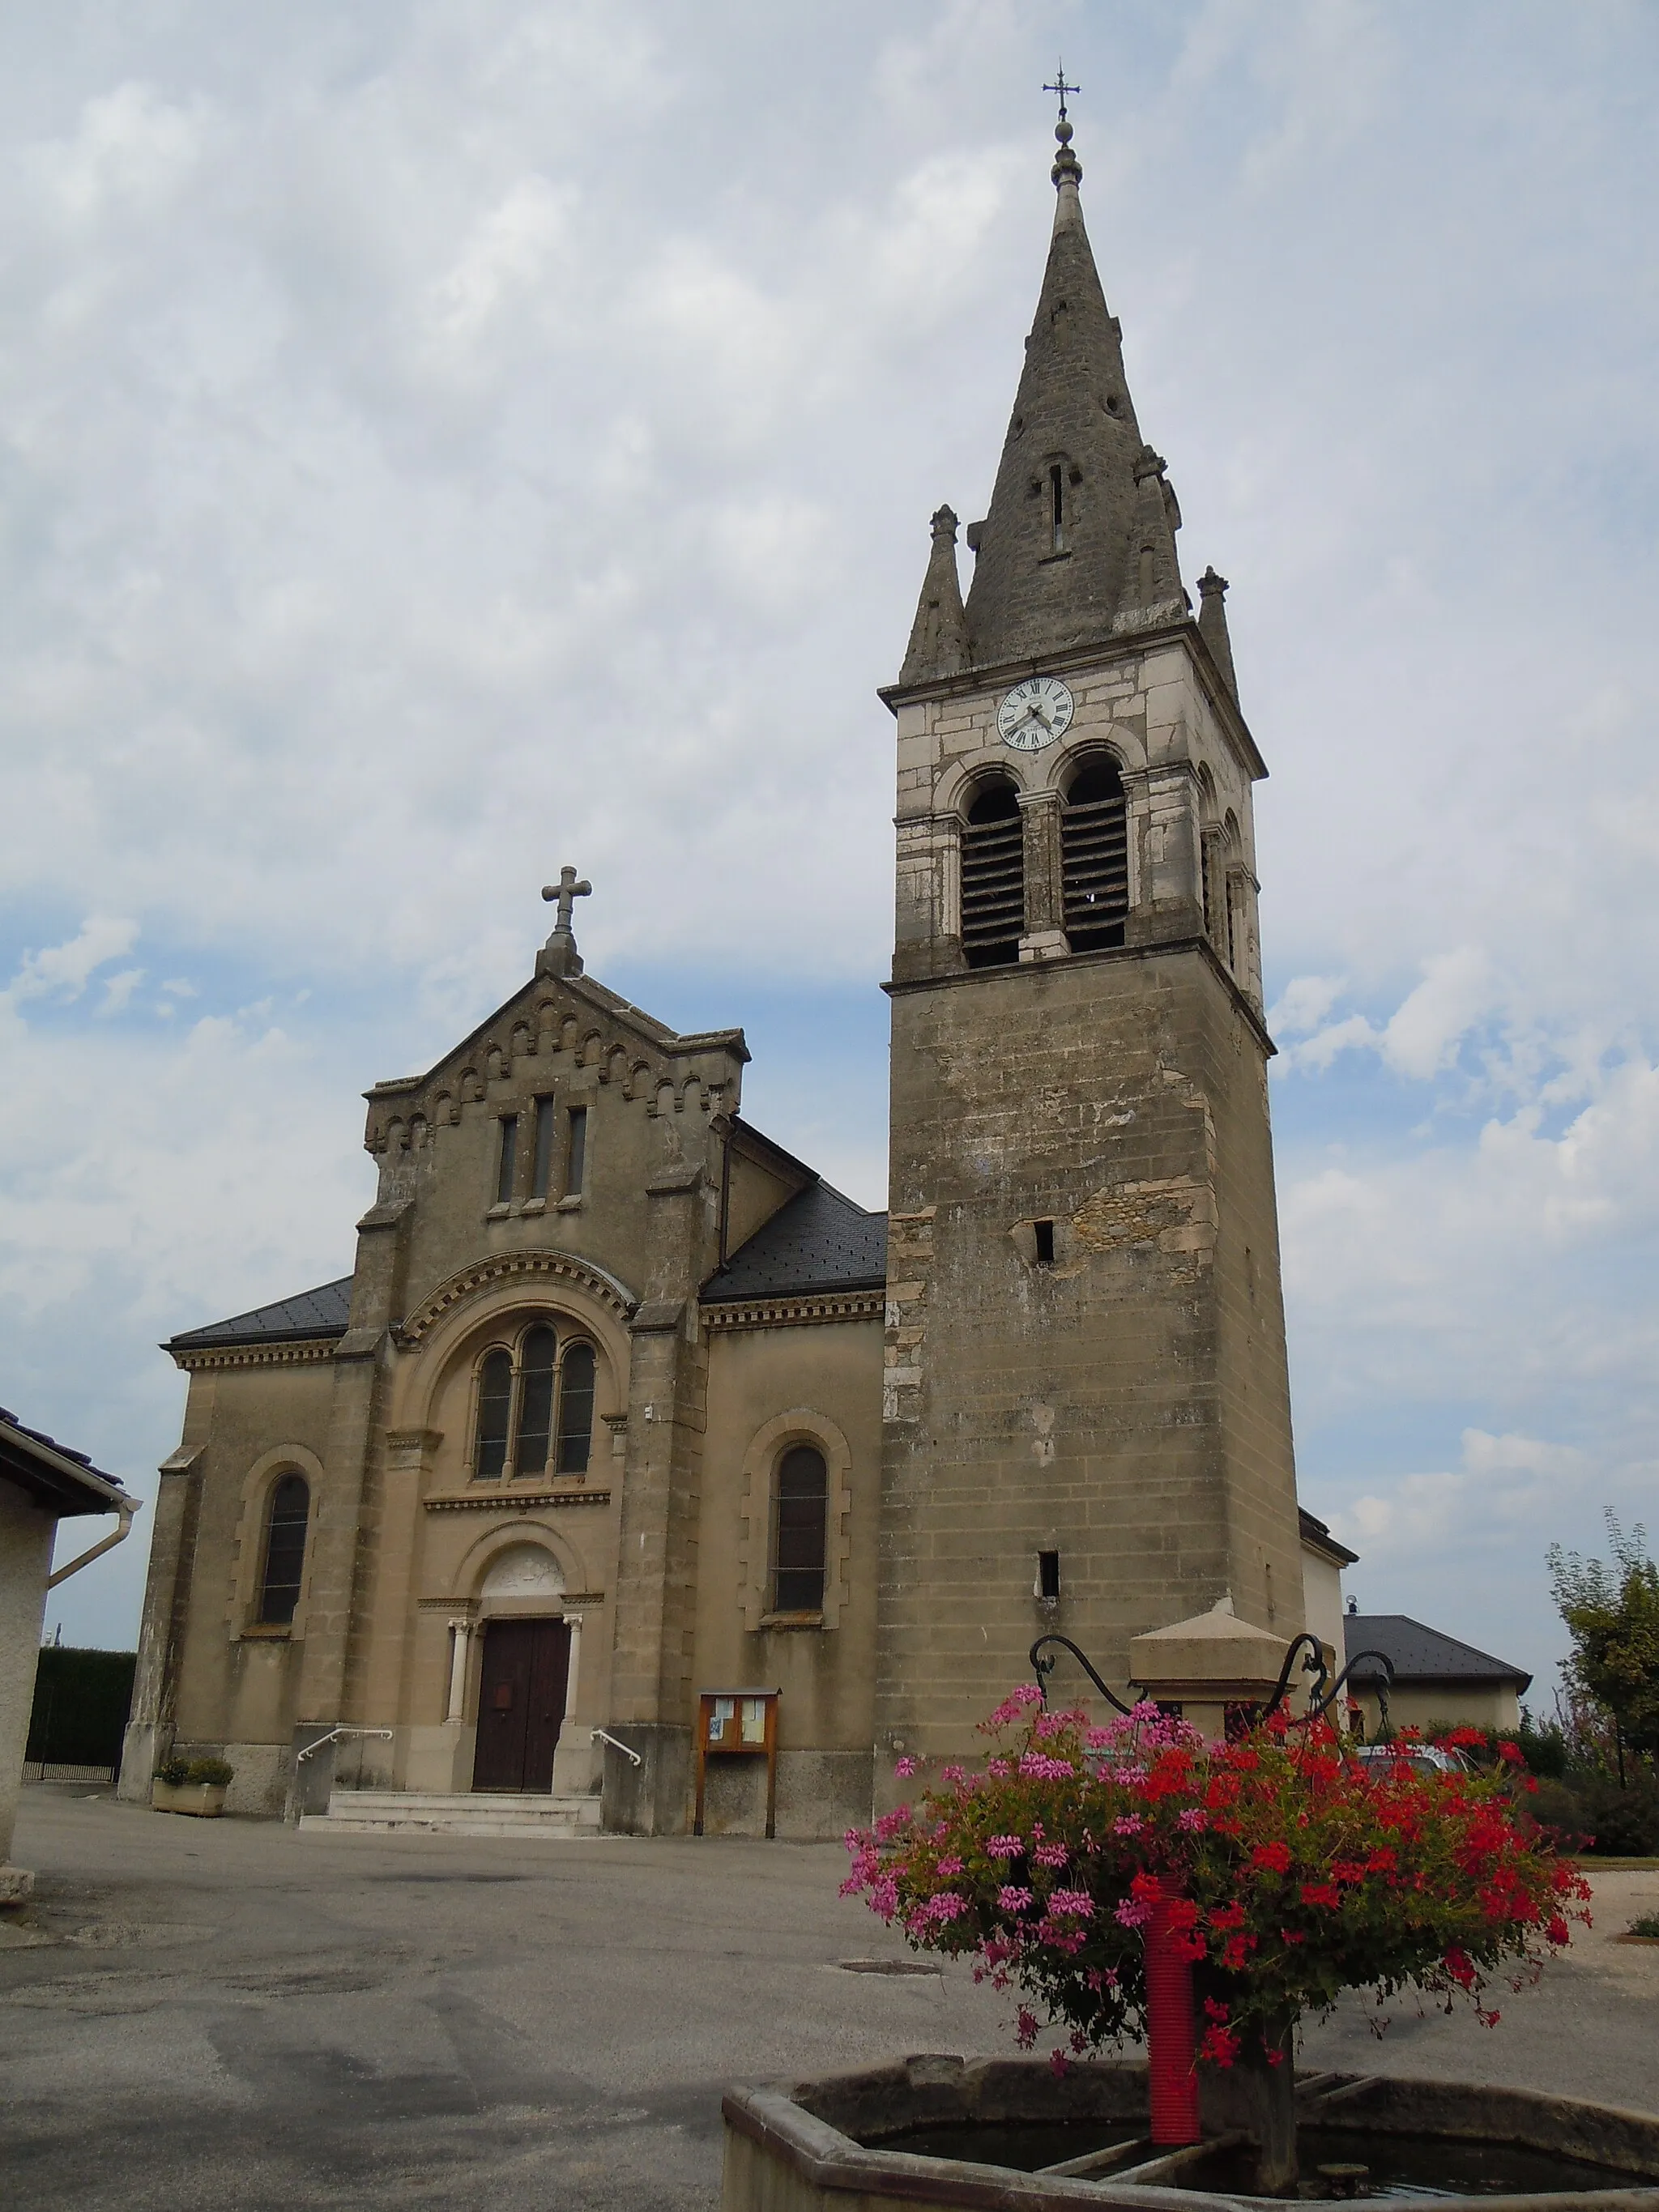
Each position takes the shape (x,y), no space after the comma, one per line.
(295,1354)
(503,1267)
(800,1312)
(479,1500)
(901,988)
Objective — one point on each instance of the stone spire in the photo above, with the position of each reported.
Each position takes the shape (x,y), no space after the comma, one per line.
(939,636)
(1212,624)
(1080,535)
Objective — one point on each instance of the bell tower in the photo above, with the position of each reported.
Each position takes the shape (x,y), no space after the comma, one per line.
(1086,1406)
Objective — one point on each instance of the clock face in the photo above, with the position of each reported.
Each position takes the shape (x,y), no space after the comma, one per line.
(1034,713)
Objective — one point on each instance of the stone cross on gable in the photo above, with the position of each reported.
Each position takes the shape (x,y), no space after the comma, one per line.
(566,891)
(559,956)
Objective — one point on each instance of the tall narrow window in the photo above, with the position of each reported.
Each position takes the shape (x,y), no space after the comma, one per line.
(494,1416)
(992,878)
(1057,506)
(576,1155)
(535,1403)
(1094,849)
(1210,857)
(803,1487)
(285,1550)
(508,1161)
(576,1410)
(547,1122)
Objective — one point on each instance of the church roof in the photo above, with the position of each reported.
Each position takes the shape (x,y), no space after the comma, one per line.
(819,1240)
(321,1312)
(1424,1656)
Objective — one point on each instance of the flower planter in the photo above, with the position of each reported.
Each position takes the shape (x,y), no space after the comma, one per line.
(205,1800)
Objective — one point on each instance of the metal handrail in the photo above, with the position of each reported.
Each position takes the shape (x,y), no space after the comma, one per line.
(603,1735)
(334,1737)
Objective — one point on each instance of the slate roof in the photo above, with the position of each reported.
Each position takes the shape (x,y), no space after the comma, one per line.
(817,1241)
(321,1312)
(1424,1654)
(65,1481)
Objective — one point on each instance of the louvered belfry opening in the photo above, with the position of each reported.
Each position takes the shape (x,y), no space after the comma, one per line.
(992,878)
(1094,848)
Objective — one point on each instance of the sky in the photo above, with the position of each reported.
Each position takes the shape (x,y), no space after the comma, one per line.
(441,441)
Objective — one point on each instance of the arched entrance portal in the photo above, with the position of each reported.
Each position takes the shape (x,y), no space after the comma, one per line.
(523,1671)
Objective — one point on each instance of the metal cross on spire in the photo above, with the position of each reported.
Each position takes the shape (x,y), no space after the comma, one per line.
(566,891)
(1061,88)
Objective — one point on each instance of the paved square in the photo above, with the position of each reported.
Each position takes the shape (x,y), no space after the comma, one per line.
(226,2014)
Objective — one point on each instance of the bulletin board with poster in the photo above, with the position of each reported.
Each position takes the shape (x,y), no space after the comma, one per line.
(739,1724)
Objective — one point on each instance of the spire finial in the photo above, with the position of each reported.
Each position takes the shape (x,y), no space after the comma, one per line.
(1067,169)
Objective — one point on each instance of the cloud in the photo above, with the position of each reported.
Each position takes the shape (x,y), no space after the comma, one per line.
(63,971)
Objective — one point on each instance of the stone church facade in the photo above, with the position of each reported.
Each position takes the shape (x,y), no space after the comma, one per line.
(621,1406)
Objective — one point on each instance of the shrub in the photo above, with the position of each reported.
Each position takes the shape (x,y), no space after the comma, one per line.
(183,1774)
(1648,1925)
(1624,1823)
(1299,1872)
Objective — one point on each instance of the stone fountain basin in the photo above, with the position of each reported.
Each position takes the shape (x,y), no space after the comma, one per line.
(839,2144)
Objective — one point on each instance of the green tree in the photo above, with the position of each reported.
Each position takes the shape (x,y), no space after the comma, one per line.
(1612,1613)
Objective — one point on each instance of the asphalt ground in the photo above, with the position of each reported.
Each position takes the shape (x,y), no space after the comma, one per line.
(227,2013)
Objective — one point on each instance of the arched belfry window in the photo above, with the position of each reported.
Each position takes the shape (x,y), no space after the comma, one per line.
(992,878)
(286,1517)
(535,1411)
(1094,849)
(799,1545)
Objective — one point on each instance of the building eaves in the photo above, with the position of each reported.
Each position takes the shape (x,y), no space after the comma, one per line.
(1317,1534)
(63,1481)
(319,1313)
(1423,1655)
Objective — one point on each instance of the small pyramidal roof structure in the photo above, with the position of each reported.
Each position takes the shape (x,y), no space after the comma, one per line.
(1079,541)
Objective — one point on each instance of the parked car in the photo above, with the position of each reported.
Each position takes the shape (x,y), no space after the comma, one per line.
(1422,1757)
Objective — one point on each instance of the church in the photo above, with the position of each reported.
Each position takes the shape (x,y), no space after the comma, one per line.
(635,1470)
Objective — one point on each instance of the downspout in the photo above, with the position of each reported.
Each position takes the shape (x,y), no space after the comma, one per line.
(726,1189)
(127,1507)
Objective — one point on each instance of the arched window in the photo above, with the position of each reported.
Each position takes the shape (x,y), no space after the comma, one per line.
(576,1410)
(799,1549)
(1094,853)
(535,1403)
(992,878)
(495,1415)
(285,1550)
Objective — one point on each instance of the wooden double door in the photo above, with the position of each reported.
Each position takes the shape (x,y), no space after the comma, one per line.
(521,1691)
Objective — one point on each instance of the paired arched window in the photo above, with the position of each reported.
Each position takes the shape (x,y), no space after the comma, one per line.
(535,1414)
(799,1530)
(992,876)
(286,1518)
(1094,854)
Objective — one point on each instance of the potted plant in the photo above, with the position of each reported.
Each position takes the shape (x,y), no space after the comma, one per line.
(1138,1879)
(192,1785)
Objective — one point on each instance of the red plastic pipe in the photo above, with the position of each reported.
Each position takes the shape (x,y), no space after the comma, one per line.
(1171,2030)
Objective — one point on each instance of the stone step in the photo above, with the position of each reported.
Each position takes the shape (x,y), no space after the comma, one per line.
(473,1813)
